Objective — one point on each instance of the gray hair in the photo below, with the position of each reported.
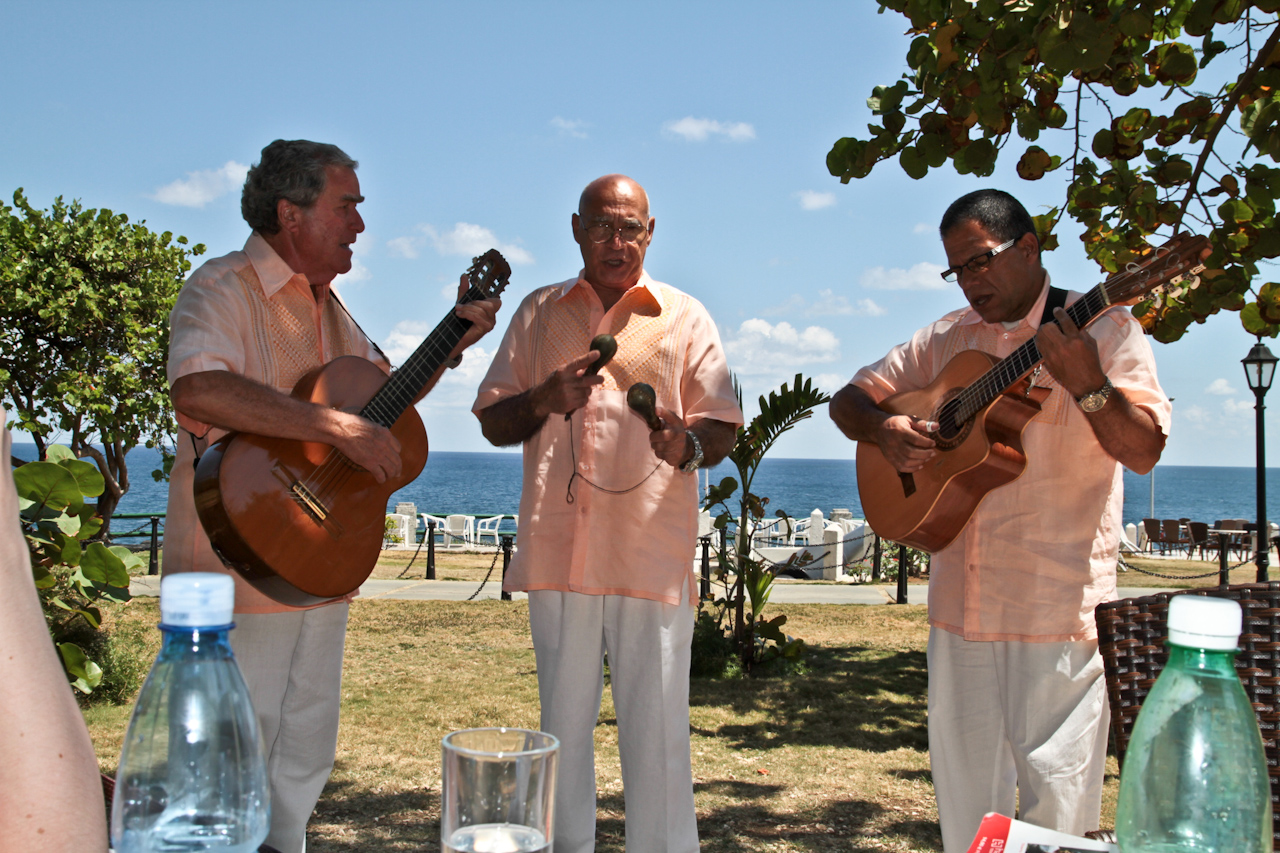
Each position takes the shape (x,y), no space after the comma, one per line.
(293,170)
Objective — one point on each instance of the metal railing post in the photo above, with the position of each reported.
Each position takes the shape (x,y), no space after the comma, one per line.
(704,587)
(153,567)
(506,561)
(431,550)
(875,560)
(902,573)
(1224,573)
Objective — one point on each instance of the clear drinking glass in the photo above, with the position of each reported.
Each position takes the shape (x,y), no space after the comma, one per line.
(499,790)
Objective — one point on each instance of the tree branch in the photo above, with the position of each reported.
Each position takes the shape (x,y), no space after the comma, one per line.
(1241,86)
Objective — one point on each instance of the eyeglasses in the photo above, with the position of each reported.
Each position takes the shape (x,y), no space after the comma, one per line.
(602,232)
(977,263)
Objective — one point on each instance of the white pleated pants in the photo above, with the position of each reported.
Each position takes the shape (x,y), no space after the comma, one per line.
(292,664)
(1024,719)
(648,644)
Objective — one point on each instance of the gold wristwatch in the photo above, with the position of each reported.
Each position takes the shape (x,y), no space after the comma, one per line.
(1097,399)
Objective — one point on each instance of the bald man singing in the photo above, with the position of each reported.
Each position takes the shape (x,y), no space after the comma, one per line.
(608,513)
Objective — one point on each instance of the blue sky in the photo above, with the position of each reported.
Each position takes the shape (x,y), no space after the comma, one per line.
(478,124)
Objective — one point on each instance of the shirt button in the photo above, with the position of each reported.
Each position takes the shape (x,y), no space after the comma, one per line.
(582,465)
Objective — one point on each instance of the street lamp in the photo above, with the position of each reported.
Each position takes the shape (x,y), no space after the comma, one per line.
(1259,369)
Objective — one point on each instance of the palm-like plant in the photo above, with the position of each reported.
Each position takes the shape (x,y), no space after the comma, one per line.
(779,412)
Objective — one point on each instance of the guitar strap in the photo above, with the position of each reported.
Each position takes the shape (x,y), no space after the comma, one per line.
(1057,299)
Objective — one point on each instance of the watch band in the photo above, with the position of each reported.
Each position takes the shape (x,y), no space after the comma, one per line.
(695,461)
(1095,400)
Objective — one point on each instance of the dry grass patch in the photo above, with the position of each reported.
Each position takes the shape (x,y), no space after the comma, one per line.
(834,759)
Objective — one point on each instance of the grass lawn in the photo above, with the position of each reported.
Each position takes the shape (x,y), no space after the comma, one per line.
(834,759)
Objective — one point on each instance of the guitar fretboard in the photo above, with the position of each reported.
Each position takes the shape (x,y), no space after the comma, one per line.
(1012,367)
(409,379)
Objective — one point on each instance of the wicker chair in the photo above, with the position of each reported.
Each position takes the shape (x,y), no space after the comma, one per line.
(1131,635)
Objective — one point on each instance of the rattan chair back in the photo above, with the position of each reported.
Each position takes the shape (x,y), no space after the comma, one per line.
(1131,639)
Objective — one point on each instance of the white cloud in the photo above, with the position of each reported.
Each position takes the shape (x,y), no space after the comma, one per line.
(201,187)
(1237,408)
(923,276)
(867,308)
(465,239)
(570,127)
(404,339)
(761,347)
(1221,387)
(811,200)
(699,129)
(922,228)
(827,304)
(830,382)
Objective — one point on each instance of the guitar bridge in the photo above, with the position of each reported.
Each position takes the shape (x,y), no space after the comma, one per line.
(308,501)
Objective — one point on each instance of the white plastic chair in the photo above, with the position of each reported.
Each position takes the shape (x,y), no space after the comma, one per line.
(488,527)
(426,526)
(460,529)
(405,530)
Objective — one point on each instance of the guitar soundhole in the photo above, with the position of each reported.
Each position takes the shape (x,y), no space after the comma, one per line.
(952,430)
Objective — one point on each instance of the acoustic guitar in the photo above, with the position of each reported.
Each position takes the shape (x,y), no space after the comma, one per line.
(299,520)
(981,406)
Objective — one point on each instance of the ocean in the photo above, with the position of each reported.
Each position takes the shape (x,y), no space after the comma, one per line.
(483,484)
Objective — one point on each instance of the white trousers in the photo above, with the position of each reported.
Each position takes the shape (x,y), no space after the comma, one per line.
(1010,718)
(292,664)
(648,644)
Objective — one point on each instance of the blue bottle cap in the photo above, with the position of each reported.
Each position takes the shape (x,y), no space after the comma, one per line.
(1204,622)
(197,599)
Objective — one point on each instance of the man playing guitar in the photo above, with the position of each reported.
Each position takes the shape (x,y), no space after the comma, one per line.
(1017,703)
(245,328)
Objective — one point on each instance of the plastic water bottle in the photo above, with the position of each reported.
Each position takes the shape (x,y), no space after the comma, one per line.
(192,775)
(1195,775)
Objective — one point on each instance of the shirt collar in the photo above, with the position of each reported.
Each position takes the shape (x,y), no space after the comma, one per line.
(272,270)
(1032,320)
(645,285)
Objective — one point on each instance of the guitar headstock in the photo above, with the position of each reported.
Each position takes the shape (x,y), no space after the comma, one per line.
(487,276)
(1178,260)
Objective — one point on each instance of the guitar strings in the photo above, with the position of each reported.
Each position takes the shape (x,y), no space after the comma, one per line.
(386,406)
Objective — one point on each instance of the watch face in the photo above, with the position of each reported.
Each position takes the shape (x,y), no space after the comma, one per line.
(1095,401)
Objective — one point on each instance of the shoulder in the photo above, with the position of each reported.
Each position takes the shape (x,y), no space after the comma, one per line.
(215,275)
(945,324)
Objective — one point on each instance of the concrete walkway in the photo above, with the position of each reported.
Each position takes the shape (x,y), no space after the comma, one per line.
(797,592)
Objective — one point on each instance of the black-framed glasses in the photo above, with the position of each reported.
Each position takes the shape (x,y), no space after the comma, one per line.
(977,263)
(602,232)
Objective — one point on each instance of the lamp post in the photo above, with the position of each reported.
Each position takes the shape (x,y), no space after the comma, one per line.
(1259,369)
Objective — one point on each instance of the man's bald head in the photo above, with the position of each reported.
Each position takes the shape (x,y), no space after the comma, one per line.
(608,186)
(613,210)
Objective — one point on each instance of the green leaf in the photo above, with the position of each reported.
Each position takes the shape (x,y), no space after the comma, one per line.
(48,484)
(912,163)
(58,453)
(87,476)
(85,674)
(101,565)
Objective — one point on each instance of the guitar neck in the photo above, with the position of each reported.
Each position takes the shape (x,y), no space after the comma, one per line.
(408,380)
(1014,366)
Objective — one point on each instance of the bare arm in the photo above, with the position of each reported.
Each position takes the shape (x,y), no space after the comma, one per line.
(46,758)
(903,440)
(671,444)
(1128,433)
(514,419)
(234,402)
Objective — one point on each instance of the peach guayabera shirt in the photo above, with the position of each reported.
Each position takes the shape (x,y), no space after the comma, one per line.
(250,314)
(1039,553)
(637,538)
